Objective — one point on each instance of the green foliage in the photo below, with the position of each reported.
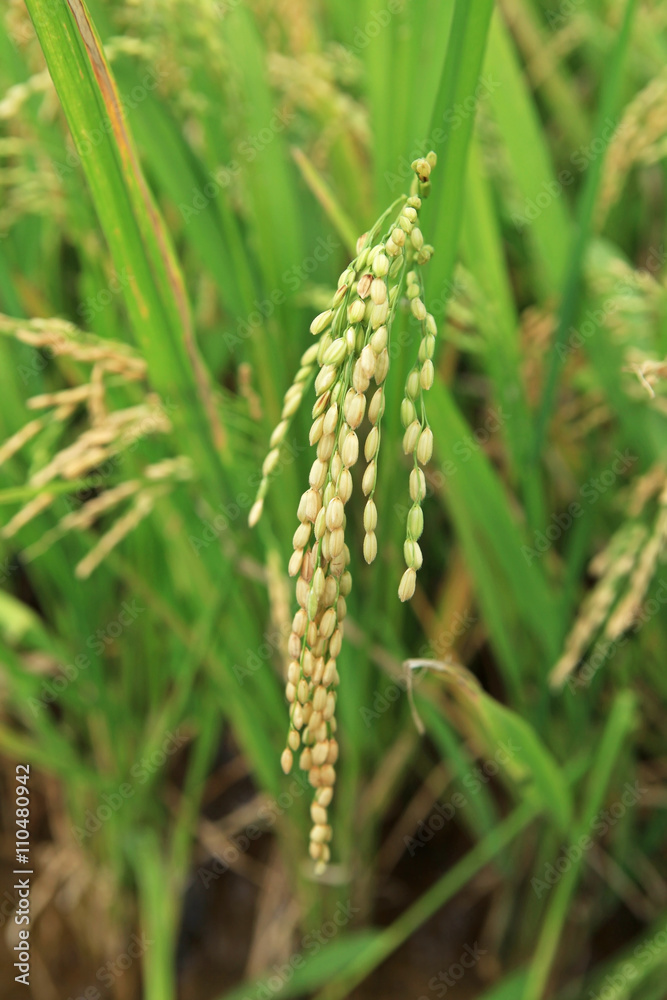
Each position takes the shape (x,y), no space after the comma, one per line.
(189,184)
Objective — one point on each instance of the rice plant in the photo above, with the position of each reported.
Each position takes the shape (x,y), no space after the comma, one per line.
(324,319)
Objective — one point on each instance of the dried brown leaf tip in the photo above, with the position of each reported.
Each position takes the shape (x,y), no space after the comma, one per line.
(352,361)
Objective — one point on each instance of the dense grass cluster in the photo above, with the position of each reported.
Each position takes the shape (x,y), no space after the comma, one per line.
(184,185)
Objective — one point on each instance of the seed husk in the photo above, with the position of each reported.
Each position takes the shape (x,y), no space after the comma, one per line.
(406,588)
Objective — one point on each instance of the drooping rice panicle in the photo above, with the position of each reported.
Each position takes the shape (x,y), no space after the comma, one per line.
(352,352)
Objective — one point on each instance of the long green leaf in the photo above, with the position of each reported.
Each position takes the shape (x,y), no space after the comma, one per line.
(574,275)
(138,240)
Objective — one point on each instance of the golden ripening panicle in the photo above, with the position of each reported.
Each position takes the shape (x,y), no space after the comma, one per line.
(352,357)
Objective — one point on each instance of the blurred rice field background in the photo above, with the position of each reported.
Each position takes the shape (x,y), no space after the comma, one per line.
(181,183)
